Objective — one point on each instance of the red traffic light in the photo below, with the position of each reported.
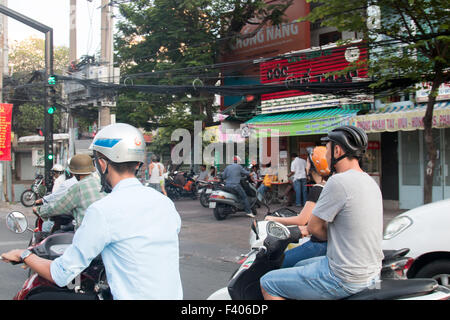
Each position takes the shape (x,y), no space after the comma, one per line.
(40,131)
(250,98)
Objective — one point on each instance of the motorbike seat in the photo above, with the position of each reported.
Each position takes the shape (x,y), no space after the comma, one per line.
(395,289)
(389,254)
(230,190)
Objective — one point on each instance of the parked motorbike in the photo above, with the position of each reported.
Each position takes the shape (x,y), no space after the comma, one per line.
(268,255)
(205,188)
(226,201)
(180,185)
(91,284)
(36,191)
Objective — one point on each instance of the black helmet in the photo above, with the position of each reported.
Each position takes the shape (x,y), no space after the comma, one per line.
(353,141)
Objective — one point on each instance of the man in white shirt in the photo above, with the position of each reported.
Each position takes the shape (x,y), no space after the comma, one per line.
(298,170)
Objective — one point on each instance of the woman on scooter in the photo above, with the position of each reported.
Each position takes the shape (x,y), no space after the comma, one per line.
(317,172)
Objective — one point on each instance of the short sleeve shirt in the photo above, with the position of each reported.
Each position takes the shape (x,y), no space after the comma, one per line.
(352,204)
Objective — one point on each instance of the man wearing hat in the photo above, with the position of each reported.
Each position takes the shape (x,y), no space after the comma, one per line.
(79,196)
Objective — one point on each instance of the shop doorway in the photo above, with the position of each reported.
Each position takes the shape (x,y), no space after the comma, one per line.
(412,161)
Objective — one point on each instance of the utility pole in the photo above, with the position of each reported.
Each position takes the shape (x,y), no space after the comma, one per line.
(107,57)
(72,57)
(73,31)
(5,168)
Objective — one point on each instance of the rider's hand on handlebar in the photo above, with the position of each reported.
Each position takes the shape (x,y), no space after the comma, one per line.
(38,202)
(12,256)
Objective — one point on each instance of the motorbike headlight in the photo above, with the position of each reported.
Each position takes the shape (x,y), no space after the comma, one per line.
(277,230)
(397,226)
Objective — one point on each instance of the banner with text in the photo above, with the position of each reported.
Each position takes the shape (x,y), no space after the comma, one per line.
(402,121)
(5,131)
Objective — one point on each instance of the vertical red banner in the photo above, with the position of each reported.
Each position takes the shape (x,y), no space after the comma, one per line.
(5,131)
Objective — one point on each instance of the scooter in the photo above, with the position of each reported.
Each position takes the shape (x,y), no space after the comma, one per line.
(91,284)
(268,255)
(36,191)
(180,185)
(226,201)
(205,188)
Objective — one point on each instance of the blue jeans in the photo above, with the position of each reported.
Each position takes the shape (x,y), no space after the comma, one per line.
(238,188)
(262,189)
(300,191)
(310,279)
(306,251)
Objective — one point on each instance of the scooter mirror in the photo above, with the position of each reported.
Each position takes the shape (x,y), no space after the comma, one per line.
(16,222)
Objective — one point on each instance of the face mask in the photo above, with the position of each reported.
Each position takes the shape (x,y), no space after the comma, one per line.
(106,187)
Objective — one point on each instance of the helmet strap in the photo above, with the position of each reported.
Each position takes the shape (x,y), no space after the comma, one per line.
(334,161)
(106,187)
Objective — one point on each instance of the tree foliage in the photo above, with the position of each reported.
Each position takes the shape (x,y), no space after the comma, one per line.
(178,42)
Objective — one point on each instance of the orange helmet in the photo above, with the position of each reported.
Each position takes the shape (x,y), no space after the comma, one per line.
(318,158)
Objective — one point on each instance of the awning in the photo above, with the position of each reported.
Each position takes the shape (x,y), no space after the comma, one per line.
(403,118)
(307,122)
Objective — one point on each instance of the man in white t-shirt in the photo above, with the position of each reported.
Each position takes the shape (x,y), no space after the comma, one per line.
(298,170)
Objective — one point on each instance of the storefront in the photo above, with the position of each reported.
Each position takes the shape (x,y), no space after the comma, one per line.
(300,119)
(401,125)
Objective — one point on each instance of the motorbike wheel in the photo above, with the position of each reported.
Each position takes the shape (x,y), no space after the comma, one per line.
(204,199)
(438,270)
(268,197)
(28,198)
(220,212)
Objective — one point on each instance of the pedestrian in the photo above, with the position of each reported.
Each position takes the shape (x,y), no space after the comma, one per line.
(155,172)
(298,171)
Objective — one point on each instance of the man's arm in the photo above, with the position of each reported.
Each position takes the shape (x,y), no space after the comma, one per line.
(63,205)
(318,228)
(38,264)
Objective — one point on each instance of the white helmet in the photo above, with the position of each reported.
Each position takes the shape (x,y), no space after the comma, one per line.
(57,167)
(120,142)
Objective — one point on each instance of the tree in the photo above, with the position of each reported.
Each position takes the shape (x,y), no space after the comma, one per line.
(408,39)
(179,42)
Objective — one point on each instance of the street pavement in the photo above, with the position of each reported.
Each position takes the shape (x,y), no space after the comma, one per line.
(209,249)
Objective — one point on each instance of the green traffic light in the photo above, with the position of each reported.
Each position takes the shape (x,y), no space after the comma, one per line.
(50,157)
(51,110)
(52,80)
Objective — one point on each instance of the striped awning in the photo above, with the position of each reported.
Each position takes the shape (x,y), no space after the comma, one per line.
(403,118)
(307,122)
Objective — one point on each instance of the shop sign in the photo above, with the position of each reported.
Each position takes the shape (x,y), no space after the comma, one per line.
(425,88)
(402,121)
(270,40)
(5,131)
(312,67)
(373,145)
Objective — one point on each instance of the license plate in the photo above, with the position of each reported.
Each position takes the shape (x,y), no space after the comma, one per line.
(212,204)
(208,191)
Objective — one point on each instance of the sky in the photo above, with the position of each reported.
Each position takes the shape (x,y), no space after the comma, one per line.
(55,14)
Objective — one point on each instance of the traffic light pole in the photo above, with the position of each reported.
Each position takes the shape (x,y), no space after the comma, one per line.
(48,117)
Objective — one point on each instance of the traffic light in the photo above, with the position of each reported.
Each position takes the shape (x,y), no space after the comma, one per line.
(52,80)
(40,131)
(51,110)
